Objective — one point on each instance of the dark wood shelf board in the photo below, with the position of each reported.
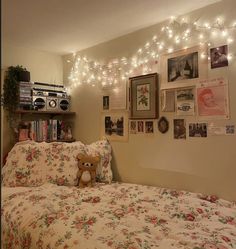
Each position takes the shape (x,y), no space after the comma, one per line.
(59,140)
(44,112)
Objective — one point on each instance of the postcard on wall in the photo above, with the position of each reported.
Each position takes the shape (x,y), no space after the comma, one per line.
(132,127)
(230,129)
(184,67)
(118,97)
(149,127)
(140,126)
(197,129)
(168,100)
(212,98)
(179,129)
(115,126)
(219,56)
(185,104)
(215,130)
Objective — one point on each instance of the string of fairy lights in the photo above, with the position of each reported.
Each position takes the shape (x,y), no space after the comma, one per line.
(178,34)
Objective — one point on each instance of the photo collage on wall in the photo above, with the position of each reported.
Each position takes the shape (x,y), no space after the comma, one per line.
(185,91)
(192,96)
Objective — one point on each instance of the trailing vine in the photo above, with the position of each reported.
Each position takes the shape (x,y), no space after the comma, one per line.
(11,92)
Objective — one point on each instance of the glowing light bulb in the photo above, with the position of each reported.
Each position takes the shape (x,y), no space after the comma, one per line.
(230,40)
(203,55)
(224,33)
(201,36)
(229,57)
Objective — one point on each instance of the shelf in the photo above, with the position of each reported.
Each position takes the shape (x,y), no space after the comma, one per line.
(59,140)
(44,112)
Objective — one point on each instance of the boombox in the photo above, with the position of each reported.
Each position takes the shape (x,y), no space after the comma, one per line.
(43,103)
(50,97)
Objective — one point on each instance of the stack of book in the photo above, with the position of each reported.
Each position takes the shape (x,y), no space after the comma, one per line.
(25,95)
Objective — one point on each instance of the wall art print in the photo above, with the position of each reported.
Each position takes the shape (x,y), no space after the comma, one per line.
(183,67)
(212,98)
(219,56)
(115,126)
(143,96)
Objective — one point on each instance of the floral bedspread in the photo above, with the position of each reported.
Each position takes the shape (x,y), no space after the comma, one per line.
(117,216)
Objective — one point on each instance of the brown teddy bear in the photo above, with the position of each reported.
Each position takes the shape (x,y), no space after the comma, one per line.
(87,170)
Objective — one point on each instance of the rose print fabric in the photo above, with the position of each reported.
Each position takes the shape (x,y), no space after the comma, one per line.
(31,164)
(115,216)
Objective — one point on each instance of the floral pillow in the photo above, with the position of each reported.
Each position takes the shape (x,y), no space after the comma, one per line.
(101,148)
(24,165)
(61,162)
(32,164)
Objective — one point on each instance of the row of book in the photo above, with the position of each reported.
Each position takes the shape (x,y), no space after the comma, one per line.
(49,130)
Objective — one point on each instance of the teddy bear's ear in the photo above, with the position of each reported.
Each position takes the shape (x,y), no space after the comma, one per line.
(80,156)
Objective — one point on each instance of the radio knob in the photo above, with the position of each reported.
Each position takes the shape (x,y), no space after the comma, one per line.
(52,103)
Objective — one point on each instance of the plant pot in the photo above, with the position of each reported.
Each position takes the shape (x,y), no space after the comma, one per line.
(24,76)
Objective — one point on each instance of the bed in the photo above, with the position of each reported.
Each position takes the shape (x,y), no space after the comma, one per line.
(57,214)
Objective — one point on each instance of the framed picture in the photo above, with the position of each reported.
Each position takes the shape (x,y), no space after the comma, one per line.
(115,125)
(163,125)
(143,96)
(184,67)
(219,56)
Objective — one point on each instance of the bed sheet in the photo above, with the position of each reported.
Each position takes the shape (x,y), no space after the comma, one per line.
(116,216)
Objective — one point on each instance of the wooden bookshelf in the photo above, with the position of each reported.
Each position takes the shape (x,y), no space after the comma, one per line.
(38,116)
(45,112)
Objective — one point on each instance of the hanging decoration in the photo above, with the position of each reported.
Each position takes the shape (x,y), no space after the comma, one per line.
(174,36)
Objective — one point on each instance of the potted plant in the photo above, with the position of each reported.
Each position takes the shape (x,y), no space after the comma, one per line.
(11,91)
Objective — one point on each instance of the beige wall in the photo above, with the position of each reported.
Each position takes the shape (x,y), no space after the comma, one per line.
(43,67)
(204,165)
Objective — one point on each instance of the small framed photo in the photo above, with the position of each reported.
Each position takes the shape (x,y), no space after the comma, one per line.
(163,125)
(143,93)
(197,129)
(219,56)
(149,127)
(105,102)
(133,127)
(184,67)
(140,126)
(179,129)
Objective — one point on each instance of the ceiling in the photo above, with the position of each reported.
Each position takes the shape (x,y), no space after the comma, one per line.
(65,26)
